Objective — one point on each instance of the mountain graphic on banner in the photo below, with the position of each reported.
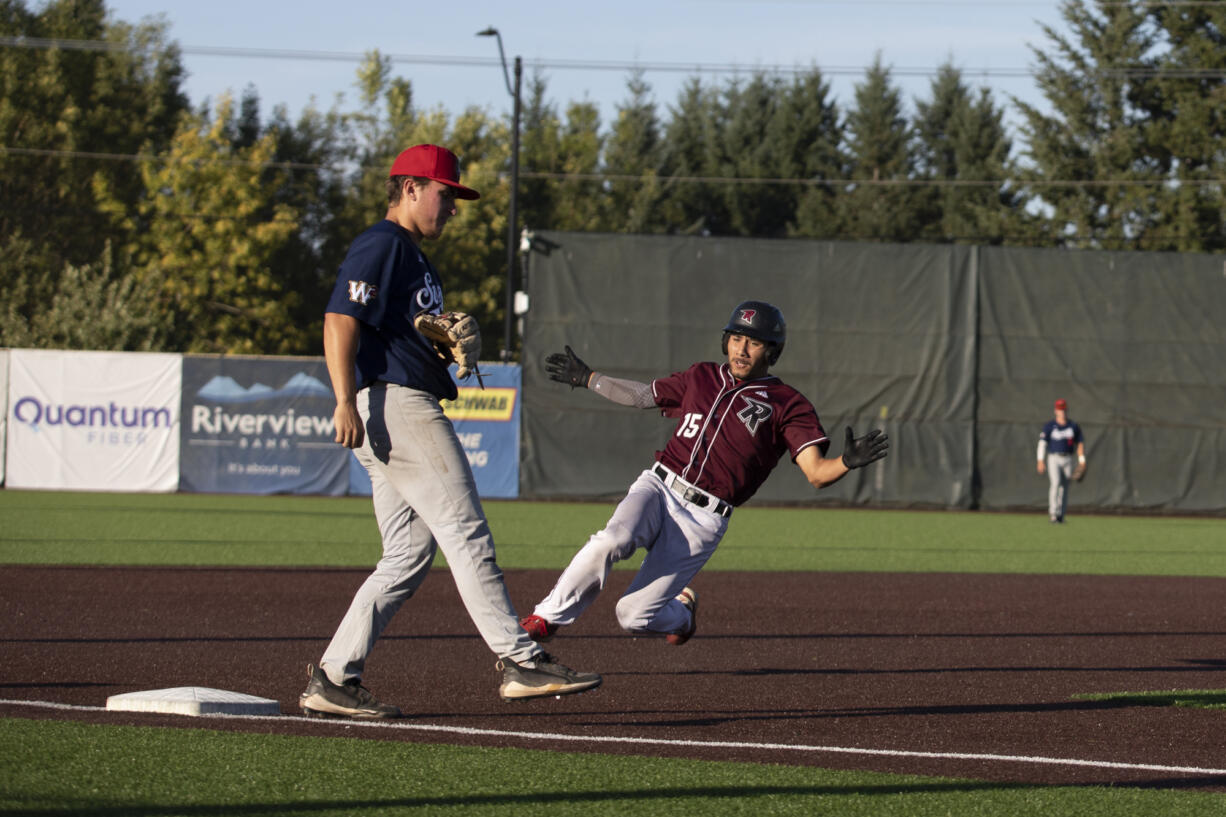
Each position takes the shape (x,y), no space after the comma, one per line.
(225,389)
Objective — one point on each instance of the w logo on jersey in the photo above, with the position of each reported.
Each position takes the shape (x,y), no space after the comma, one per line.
(754,413)
(361,292)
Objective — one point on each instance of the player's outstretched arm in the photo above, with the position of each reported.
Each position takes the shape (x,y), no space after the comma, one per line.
(568,368)
(857,453)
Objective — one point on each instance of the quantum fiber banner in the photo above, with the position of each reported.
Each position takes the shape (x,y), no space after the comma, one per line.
(259,426)
(93,421)
(4,401)
(487,423)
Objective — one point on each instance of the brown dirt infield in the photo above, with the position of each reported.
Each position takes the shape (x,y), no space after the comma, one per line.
(929,663)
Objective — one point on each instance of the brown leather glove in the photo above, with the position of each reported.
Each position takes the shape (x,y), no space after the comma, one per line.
(456,337)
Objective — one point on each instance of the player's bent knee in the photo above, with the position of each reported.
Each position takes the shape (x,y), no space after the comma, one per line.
(631,618)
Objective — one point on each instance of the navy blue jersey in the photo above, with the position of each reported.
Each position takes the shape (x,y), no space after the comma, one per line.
(385,281)
(1061,439)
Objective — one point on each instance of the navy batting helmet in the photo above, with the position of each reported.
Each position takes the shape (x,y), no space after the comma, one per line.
(760,320)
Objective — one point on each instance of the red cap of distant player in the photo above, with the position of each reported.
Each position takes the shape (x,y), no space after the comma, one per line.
(1061,405)
(433,162)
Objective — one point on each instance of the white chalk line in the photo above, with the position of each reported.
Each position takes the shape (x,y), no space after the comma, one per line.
(699,744)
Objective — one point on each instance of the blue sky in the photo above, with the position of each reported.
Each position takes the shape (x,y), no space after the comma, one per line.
(988,40)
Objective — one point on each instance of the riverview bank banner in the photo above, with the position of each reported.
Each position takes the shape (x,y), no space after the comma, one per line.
(93,421)
(487,423)
(259,426)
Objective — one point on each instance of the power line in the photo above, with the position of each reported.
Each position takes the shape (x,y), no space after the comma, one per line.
(484,62)
(615,177)
(603,65)
(148,157)
(918,182)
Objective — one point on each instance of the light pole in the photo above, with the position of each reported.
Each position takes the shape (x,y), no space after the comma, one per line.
(511,216)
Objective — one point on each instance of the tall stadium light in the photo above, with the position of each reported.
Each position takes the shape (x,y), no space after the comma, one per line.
(511,216)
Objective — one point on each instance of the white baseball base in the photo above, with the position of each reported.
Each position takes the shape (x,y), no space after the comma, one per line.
(193,701)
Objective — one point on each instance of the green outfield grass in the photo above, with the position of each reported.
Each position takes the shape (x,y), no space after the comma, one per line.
(209,529)
(66,768)
(58,768)
(1192,698)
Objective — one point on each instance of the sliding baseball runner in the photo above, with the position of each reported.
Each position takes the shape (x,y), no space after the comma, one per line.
(735,421)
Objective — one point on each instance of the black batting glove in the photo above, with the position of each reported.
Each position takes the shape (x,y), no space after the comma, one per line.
(858,453)
(568,369)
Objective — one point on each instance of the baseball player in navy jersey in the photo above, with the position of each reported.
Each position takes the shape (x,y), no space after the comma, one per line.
(387,343)
(734,422)
(1060,442)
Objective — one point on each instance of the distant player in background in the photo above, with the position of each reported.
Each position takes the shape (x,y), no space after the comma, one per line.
(734,422)
(387,343)
(1059,443)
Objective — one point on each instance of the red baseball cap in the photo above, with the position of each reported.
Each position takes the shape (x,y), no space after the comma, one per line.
(435,163)
(1061,405)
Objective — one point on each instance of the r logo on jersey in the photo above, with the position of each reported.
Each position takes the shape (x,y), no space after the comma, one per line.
(361,292)
(754,413)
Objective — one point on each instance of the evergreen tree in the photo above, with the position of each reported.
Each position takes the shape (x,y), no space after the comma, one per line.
(750,149)
(1090,164)
(472,254)
(311,155)
(581,191)
(960,137)
(246,128)
(810,132)
(690,153)
(559,161)
(540,149)
(782,134)
(880,204)
(1185,127)
(633,150)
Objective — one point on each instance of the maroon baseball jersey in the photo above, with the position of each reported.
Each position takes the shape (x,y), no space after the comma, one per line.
(730,433)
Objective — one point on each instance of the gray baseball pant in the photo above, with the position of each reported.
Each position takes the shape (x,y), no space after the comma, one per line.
(679,539)
(425,498)
(1059,474)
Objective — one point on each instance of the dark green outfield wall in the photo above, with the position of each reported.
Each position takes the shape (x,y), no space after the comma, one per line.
(958,352)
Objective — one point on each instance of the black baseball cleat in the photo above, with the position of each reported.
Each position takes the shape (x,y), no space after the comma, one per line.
(325,699)
(540,677)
